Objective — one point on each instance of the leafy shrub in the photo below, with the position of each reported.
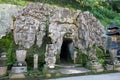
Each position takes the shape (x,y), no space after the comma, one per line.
(82,58)
(100,53)
(16,2)
(7,45)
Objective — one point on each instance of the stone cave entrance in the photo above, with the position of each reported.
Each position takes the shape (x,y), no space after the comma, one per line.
(67,51)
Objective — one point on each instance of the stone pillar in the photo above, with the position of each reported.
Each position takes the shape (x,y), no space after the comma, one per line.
(3,64)
(21,55)
(36,61)
(113,54)
(114,51)
(50,57)
(20,67)
(114,38)
(75,57)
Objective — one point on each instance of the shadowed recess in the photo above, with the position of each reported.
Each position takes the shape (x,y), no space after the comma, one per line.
(67,51)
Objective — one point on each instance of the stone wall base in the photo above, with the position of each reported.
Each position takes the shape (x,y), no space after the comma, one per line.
(109,67)
(117,68)
(13,76)
(48,73)
(95,66)
(3,70)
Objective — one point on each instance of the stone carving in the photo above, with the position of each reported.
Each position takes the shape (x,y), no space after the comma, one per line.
(82,27)
(21,55)
(35,61)
(20,67)
(30,25)
(7,12)
(113,32)
(50,55)
(90,31)
(3,64)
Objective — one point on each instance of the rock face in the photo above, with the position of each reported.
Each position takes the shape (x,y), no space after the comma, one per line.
(30,24)
(6,17)
(90,33)
(34,20)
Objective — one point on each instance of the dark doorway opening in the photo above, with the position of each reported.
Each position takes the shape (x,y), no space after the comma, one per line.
(67,51)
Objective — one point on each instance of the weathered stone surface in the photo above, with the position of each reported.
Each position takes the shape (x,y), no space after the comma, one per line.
(90,34)
(3,70)
(95,66)
(83,28)
(6,17)
(19,70)
(30,24)
(3,59)
(35,61)
(20,67)
(14,76)
(21,55)
(74,70)
(64,15)
(109,67)
(90,31)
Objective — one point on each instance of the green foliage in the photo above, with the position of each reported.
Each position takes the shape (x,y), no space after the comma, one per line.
(11,54)
(7,45)
(82,58)
(41,54)
(100,53)
(34,73)
(16,2)
(115,5)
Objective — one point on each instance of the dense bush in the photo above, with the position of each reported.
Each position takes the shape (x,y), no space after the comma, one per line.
(7,45)
(16,2)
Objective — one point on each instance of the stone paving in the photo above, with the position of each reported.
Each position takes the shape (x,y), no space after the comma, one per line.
(110,76)
(74,70)
(71,69)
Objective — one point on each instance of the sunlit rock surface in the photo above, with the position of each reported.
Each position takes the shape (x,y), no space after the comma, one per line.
(34,20)
(7,12)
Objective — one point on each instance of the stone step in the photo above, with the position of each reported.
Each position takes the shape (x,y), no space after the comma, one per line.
(118,56)
(74,70)
(68,65)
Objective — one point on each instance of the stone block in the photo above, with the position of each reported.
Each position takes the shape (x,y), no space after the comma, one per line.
(109,67)
(48,75)
(117,68)
(13,76)
(3,70)
(19,69)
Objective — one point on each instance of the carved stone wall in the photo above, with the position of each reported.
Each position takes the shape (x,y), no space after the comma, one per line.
(90,33)
(30,24)
(34,20)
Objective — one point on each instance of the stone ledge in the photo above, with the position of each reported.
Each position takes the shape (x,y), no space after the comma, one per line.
(13,76)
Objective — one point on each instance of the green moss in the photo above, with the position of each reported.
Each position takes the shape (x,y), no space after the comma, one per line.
(41,54)
(7,44)
(100,53)
(82,58)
